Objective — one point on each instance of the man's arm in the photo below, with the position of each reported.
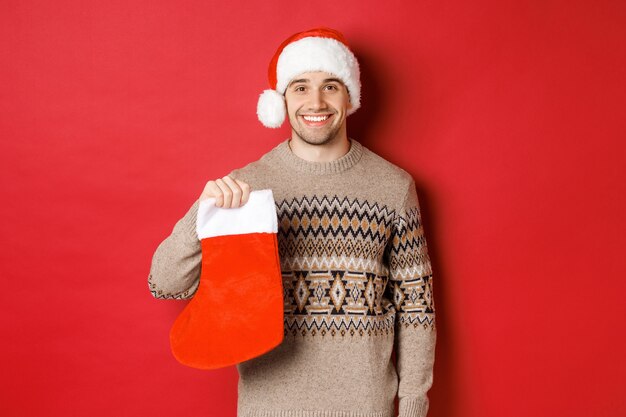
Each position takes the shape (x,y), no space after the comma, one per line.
(410,287)
(176,263)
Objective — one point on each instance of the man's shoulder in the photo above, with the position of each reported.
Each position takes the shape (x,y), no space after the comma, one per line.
(380,167)
(255,171)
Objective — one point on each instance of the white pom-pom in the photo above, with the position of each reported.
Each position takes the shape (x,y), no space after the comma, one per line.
(271,108)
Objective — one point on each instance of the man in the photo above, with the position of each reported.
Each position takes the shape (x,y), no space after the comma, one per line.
(356,273)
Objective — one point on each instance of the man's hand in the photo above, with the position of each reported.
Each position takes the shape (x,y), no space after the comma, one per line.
(228,192)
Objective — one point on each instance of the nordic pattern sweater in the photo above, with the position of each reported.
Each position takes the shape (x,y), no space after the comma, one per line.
(357,283)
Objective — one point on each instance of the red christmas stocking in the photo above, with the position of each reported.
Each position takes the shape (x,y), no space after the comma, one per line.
(237,312)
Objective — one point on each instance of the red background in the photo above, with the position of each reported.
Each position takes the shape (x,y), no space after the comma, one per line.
(509,115)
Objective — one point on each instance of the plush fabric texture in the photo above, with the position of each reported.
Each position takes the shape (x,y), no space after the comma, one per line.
(320,54)
(237,311)
(271,109)
(318,49)
(357,285)
(322,31)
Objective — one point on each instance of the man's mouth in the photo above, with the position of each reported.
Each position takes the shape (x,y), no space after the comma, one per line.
(316,120)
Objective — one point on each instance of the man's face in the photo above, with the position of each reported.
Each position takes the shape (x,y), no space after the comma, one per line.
(317,105)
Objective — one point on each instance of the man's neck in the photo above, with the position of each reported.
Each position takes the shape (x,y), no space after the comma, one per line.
(327,152)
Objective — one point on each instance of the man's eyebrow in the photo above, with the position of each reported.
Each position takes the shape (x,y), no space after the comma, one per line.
(306,80)
(301,80)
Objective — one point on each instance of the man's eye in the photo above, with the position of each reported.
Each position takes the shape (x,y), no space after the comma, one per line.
(300,88)
(332,87)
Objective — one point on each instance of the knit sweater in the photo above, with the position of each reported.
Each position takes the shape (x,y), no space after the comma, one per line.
(357,283)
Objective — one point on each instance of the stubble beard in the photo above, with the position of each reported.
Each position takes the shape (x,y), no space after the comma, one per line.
(320,138)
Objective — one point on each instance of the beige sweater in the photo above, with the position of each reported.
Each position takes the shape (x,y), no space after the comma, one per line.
(357,282)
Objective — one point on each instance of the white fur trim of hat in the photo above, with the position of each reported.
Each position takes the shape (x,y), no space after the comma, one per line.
(306,55)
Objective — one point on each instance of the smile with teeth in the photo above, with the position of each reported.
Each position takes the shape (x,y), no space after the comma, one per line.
(316,118)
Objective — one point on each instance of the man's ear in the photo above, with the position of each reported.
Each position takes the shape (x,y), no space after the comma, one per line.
(349,99)
(287,109)
(286,102)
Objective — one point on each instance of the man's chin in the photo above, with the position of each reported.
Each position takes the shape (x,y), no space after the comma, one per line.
(318,138)
(313,136)
(313,140)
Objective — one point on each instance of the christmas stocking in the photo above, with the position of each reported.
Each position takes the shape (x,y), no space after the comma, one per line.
(237,312)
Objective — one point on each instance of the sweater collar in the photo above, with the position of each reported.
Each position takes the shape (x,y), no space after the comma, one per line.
(340,164)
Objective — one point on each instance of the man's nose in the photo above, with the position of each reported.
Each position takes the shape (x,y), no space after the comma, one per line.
(317,100)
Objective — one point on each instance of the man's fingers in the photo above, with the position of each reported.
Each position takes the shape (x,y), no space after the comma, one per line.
(211,190)
(235,189)
(245,189)
(226,193)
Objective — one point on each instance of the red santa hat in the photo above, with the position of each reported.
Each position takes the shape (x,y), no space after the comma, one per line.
(319,49)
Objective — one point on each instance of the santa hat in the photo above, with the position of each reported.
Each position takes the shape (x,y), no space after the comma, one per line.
(319,49)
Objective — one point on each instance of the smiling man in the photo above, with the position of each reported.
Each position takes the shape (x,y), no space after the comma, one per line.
(317,106)
(356,274)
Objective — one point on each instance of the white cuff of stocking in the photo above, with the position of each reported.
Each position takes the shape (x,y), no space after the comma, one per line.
(258,215)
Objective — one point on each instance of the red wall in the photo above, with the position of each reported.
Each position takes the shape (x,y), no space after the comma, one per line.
(509,115)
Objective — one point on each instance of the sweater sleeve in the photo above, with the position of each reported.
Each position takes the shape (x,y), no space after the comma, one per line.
(411,290)
(176,263)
